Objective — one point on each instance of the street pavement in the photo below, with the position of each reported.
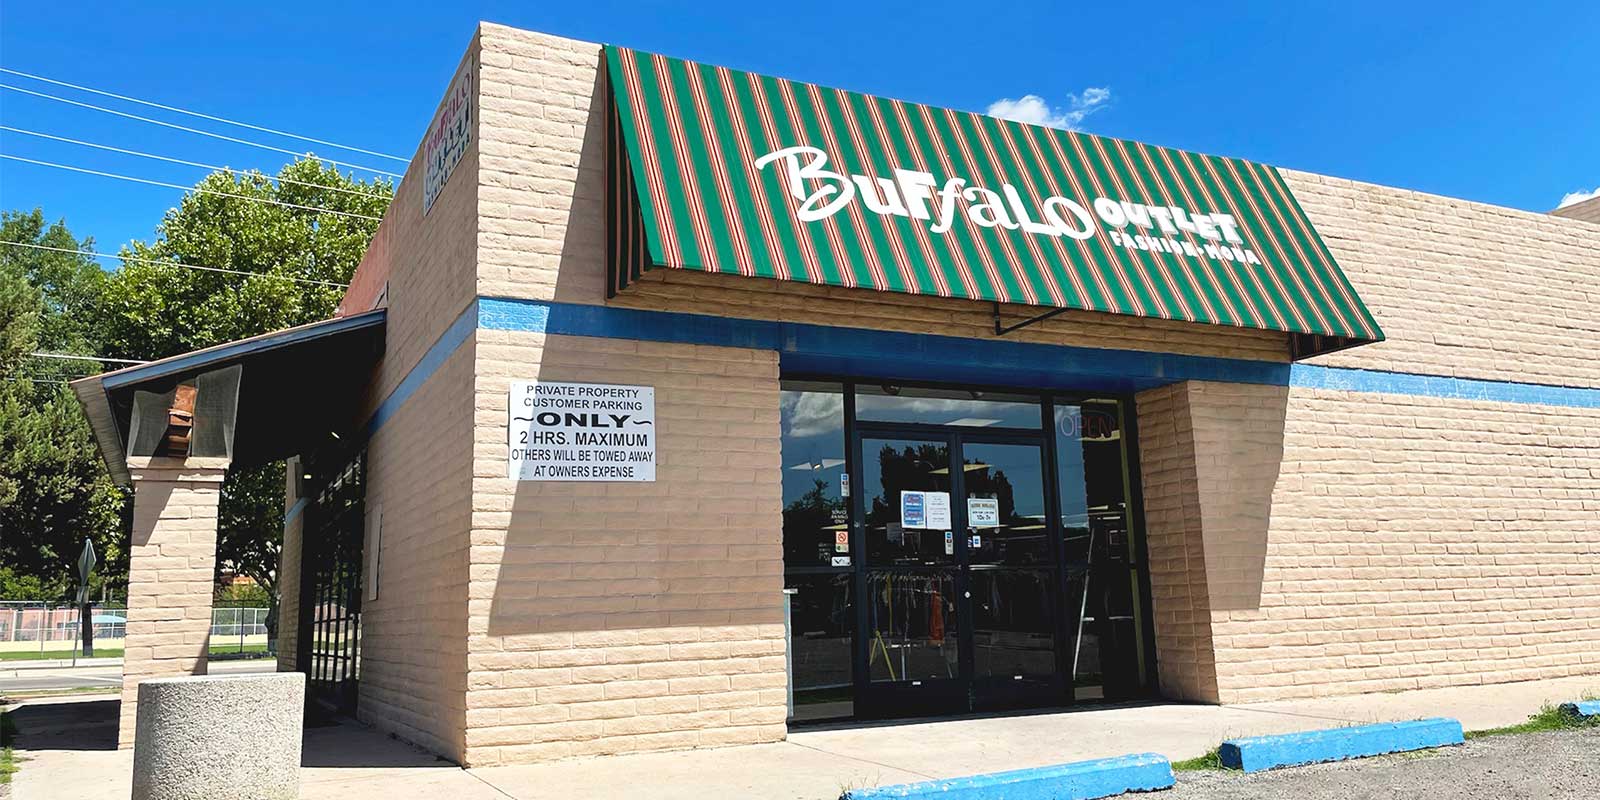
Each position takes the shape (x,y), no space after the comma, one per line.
(18,677)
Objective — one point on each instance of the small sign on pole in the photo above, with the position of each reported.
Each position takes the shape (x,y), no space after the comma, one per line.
(86,562)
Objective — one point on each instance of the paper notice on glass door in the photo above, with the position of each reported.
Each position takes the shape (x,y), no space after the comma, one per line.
(938,504)
(983,512)
(913,510)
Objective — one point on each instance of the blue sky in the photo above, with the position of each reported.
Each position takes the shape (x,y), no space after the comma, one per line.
(1499,105)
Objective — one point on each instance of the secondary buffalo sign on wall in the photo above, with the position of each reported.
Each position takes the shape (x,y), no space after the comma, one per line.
(581,432)
(448,136)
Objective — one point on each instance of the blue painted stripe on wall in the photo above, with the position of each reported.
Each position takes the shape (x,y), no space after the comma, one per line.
(883,354)
(904,356)
(888,355)
(430,362)
(1257,753)
(1103,777)
(1364,380)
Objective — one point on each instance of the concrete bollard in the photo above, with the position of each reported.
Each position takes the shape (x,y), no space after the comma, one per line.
(219,737)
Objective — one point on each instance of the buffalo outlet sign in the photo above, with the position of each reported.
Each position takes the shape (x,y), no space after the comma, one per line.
(723,171)
(822,193)
(581,432)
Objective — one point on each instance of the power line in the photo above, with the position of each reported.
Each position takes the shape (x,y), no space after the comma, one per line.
(200,115)
(160,262)
(318,209)
(186,129)
(181,161)
(70,357)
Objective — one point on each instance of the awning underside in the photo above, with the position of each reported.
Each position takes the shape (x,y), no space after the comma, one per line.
(718,170)
(295,387)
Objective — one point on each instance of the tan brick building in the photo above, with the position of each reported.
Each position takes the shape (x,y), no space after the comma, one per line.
(1201,472)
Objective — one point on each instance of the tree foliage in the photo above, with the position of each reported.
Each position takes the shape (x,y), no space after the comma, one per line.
(152,311)
(54,491)
(307,223)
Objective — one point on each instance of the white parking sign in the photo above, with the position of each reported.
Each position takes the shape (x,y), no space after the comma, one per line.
(581,432)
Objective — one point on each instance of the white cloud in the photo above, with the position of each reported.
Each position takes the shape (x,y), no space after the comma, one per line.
(1033,110)
(1578,197)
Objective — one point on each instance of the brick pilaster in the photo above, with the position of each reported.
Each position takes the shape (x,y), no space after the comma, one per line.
(171,569)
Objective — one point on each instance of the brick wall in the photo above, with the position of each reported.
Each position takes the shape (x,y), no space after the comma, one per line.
(613,617)
(1588,211)
(1462,289)
(1186,666)
(1420,542)
(413,648)
(171,569)
(414,634)
(542,233)
(1240,493)
(289,574)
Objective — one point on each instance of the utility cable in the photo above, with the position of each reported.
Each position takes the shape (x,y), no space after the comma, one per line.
(70,357)
(185,162)
(186,129)
(224,120)
(317,209)
(160,262)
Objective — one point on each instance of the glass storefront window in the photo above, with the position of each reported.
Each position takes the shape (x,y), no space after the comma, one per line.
(815,517)
(821,619)
(954,407)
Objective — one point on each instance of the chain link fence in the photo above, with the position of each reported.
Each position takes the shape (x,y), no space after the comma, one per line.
(32,629)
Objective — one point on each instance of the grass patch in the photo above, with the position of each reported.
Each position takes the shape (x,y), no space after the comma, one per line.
(217,649)
(34,694)
(8,759)
(1212,760)
(54,655)
(1547,718)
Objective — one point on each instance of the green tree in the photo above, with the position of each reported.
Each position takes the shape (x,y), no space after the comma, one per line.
(54,491)
(151,310)
(68,283)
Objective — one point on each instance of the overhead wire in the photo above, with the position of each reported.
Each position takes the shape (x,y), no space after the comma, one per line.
(269,201)
(185,162)
(213,118)
(164,263)
(198,131)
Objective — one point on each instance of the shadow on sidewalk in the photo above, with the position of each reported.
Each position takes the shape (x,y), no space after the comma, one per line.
(54,724)
(78,725)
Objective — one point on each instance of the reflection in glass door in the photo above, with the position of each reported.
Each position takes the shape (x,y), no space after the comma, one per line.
(912,627)
(1013,575)
(961,587)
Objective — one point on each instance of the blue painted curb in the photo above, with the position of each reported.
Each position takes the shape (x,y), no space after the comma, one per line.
(1080,780)
(1582,709)
(1336,744)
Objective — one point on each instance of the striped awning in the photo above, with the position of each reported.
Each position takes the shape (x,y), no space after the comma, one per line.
(719,170)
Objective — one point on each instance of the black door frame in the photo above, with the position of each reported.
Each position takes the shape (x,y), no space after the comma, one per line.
(1050,399)
(966,692)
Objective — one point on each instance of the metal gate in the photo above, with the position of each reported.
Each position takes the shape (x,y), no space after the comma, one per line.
(330,581)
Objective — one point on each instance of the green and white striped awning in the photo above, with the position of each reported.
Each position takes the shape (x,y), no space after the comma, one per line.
(719,170)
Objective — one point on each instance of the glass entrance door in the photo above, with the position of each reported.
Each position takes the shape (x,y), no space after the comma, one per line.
(914,659)
(961,584)
(1013,575)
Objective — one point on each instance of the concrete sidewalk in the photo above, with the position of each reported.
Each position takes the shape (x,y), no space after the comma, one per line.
(348,762)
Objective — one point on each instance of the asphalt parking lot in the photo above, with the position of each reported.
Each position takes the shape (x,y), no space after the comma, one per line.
(1557,764)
